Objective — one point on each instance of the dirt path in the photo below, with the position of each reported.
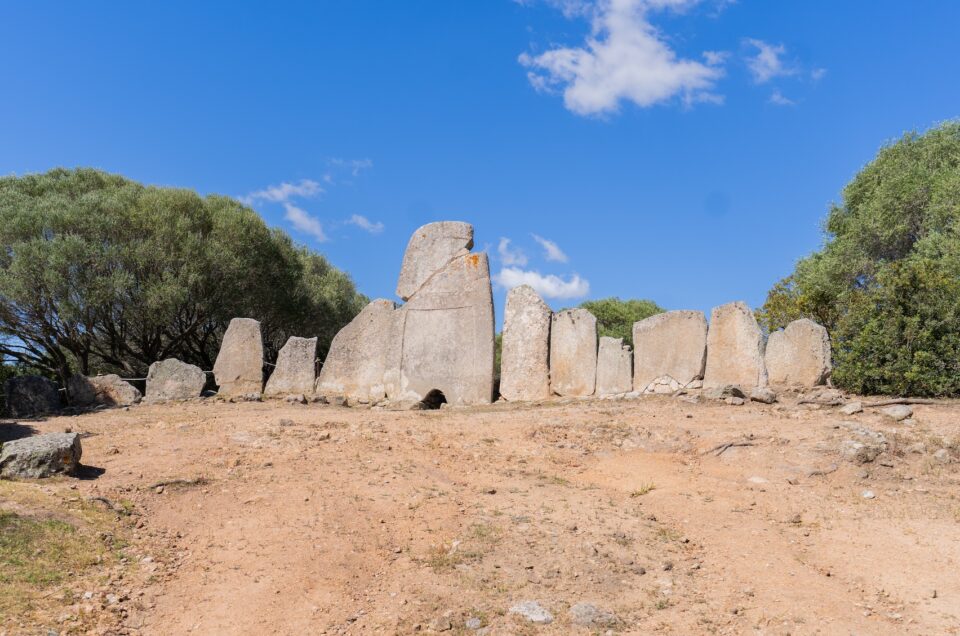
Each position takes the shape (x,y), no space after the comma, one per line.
(318,519)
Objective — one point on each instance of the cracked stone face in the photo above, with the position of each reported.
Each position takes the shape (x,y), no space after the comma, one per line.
(573,353)
(798,355)
(525,357)
(734,348)
(670,351)
(239,366)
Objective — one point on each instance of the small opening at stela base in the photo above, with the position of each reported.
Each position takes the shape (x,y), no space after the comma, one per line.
(433,400)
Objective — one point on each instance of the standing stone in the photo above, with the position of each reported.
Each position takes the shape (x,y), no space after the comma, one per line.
(430,249)
(525,357)
(171,379)
(31,395)
(614,367)
(108,390)
(239,366)
(799,355)
(448,334)
(670,351)
(295,372)
(734,348)
(41,456)
(356,365)
(573,353)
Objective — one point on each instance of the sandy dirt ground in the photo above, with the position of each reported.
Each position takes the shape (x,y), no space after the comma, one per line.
(278,518)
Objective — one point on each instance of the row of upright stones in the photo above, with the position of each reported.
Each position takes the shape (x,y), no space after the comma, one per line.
(548,354)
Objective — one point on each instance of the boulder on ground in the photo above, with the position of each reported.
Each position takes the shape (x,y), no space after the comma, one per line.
(798,355)
(171,379)
(898,412)
(614,367)
(108,390)
(525,357)
(238,370)
(357,363)
(295,371)
(734,348)
(31,395)
(573,353)
(430,249)
(670,351)
(41,456)
(763,394)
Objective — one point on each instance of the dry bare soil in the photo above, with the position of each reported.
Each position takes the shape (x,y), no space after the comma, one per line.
(276,518)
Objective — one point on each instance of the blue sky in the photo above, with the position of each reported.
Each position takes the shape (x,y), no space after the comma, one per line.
(679,150)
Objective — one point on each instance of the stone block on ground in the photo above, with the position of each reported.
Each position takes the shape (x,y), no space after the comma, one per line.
(525,357)
(172,379)
(106,390)
(670,351)
(359,361)
(31,395)
(295,372)
(238,370)
(573,353)
(798,355)
(41,456)
(614,367)
(734,348)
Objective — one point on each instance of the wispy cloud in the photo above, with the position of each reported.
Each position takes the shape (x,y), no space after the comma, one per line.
(779,99)
(767,61)
(355,166)
(624,59)
(362,222)
(509,255)
(304,222)
(549,286)
(305,188)
(552,251)
(817,74)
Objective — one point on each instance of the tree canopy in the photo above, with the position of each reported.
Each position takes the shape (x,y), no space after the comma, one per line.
(615,317)
(100,273)
(886,283)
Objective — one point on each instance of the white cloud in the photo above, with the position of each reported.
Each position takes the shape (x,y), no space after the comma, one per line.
(767,63)
(625,58)
(779,99)
(510,256)
(549,286)
(282,193)
(552,251)
(364,223)
(303,222)
(817,74)
(355,166)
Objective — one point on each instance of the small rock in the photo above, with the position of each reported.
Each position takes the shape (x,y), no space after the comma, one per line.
(858,452)
(298,398)
(734,401)
(852,408)
(441,624)
(942,456)
(720,392)
(898,412)
(868,494)
(533,612)
(473,623)
(763,394)
(588,615)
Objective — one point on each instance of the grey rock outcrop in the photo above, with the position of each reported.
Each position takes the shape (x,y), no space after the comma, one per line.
(171,379)
(734,348)
(238,370)
(41,456)
(295,372)
(573,353)
(525,357)
(107,390)
(361,355)
(614,367)
(31,395)
(670,351)
(798,355)
(429,250)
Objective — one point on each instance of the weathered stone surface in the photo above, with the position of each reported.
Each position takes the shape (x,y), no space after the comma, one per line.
(295,372)
(525,357)
(763,394)
(430,249)
(614,367)
(573,353)
(31,395)
(897,412)
(171,379)
(448,334)
(734,348)
(41,456)
(670,351)
(852,408)
(108,390)
(533,611)
(239,366)
(357,363)
(589,615)
(798,355)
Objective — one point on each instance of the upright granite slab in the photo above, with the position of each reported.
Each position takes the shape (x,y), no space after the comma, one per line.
(295,372)
(448,334)
(239,367)
(573,353)
(670,351)
(171,379)
(357,363)
(614,367)
(31,395)
(525,356)
(799,355)
(429,250)
(734,348)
